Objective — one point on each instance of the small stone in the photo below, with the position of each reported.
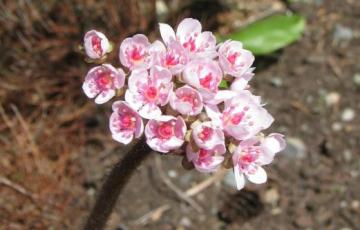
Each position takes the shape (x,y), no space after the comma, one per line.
(276,81)
(355,204)
(91,192)
(276,211)
(295,148)
(332,99)
(354,173)
(342,33)
(337,126)
(347,155)
(271,196)
(356,79)
(348,114)
(172,173)
(343,204)
(185,221)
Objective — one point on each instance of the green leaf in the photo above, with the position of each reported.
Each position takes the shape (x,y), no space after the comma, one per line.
(223,84)
(271,33)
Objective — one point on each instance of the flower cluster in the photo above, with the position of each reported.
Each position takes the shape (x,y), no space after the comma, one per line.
(171,92)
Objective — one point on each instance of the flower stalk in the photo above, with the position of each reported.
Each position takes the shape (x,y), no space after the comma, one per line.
(114,185)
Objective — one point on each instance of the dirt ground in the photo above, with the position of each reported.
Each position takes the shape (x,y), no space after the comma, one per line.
(56,149)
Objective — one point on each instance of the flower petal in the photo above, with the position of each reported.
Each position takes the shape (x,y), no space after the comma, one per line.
(167,33)
(239,178)
(149,111)
(105,96)
(258,177)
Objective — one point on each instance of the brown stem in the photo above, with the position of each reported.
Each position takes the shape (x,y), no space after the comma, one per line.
(114,184)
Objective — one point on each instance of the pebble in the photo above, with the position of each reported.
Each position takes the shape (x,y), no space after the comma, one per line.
(276,81)
(332,99)
(348,114)
(295,148)
(185,221)
(356,79)
(342,33)
(172,173)
(347,155)
(337,126)
(272,196)
(355,204)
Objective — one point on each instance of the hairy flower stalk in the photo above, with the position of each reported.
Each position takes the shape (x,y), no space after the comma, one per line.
(173,101)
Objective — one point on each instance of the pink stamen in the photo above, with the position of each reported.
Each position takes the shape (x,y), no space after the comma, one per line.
(232,57)
(104,80)
(127,122)
(206,81)
(136,54)
(96,43)
(237,118)
(165,131)
(151,93)
(206,133)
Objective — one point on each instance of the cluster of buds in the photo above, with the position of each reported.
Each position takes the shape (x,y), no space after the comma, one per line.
(172,93)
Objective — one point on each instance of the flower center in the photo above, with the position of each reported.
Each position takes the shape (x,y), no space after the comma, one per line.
(127,121)
(237,118)
(206,81)
(136,54)
(151,93)
(190,44)
(171,59)
(248,158)
(165,130)
(104,80)
(96,44)
(203,153)
(232,57)
(189,98)
(206,134)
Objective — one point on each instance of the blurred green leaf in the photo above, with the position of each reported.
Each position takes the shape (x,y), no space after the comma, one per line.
(223,84)
(271,33)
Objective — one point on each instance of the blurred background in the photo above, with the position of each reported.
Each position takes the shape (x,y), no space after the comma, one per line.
(55,146)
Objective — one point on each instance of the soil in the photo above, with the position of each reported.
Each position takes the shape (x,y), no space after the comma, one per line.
(317,189)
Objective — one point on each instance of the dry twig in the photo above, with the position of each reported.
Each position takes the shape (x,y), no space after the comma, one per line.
(175,189)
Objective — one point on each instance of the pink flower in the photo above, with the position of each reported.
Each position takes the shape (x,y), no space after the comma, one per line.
(208,136)
(125,123)
(102,81)
(96,44)
(243,116)
(149,91)
(174,57)
(188,33)
(133,51)
(165,133)
(253,153)
(205,160)
(205,75)
(234,60)
(186,101)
